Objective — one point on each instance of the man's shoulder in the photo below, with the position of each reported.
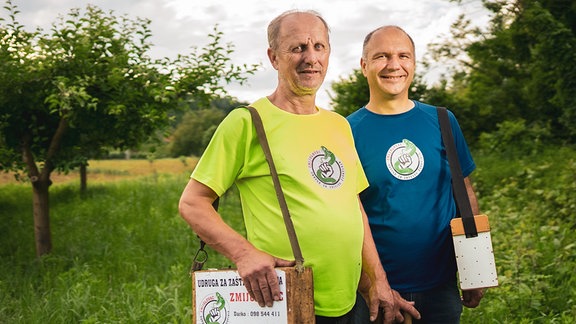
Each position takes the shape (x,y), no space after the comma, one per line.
(432,110)
(424,106)
(328,111)
(355,117)
(330,114)
(237,114)
(242,113)
(427,109)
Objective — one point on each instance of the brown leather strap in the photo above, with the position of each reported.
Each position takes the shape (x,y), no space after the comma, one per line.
(279,193)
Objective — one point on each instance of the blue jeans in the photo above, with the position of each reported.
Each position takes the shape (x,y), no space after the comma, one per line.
(440,305)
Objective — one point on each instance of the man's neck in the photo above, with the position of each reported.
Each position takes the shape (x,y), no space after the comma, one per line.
(300,105)
(390,107)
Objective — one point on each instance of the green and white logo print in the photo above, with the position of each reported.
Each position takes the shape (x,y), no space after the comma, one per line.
(326,169)
(214,310)
(405,160)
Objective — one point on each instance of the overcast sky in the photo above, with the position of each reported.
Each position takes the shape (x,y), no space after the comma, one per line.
(179,25)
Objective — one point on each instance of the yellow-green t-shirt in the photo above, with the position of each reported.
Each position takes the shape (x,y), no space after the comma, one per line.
(320,174)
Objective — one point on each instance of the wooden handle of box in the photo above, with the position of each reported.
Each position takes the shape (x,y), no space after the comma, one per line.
(407,318)
(380,318)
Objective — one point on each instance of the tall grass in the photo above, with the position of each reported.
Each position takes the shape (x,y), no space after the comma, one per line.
(122,253)
(531,202)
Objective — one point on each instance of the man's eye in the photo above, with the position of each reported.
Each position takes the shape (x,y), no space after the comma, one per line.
(319,46)
(298,49)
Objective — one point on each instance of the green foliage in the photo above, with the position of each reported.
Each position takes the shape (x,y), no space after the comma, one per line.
(350,93)
(530,203)
(194,132)
(92,70)
(515,138)
(200,76)
(520,66)
(196,126)
(90,85)
(123,254)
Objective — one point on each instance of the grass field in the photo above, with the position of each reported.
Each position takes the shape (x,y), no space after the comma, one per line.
(114,170)
(122,254)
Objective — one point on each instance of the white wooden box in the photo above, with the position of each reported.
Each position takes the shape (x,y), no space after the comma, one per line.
(474,256)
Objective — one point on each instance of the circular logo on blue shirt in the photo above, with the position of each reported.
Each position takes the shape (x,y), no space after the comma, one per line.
(404,160)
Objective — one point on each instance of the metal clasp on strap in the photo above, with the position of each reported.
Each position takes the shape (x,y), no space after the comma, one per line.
(300,266)
(199,259)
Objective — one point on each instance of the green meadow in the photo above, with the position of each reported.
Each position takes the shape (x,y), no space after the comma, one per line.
(122,254)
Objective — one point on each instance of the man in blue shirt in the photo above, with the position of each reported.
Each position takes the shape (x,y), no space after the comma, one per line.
(409,202)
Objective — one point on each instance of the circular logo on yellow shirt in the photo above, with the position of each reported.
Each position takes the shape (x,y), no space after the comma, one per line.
(326,169)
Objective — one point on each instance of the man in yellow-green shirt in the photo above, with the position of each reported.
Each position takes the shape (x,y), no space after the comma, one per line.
(325,214)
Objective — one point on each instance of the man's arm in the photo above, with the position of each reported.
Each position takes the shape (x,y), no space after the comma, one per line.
(254,266)
(472,196)
(471,298)
(374,285)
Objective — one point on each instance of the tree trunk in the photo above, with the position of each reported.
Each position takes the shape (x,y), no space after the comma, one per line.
(41,211)
(40,184)
(83,178)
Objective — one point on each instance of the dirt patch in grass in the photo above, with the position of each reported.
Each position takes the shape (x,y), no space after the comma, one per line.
(113,170)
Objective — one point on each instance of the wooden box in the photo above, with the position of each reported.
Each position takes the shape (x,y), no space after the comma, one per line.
(219,296)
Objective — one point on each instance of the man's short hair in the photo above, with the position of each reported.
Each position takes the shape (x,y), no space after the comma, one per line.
(370,34)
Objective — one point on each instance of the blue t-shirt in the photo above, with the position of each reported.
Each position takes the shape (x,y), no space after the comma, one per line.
(409,202)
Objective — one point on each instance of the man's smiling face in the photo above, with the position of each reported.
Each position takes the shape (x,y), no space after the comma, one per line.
(388,62)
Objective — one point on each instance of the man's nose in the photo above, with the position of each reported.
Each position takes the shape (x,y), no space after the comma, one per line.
(393,62)
(311,56)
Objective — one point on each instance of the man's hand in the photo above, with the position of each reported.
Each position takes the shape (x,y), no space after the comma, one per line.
(256,269)
(406,308)
(471,298)
(383,298)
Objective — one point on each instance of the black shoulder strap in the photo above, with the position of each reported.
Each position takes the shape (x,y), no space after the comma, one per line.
(459,188)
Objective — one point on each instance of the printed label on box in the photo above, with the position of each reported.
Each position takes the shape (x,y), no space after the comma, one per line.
(221,298)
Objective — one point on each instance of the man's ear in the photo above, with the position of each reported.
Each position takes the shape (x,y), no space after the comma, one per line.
(363,66)
(272,57)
